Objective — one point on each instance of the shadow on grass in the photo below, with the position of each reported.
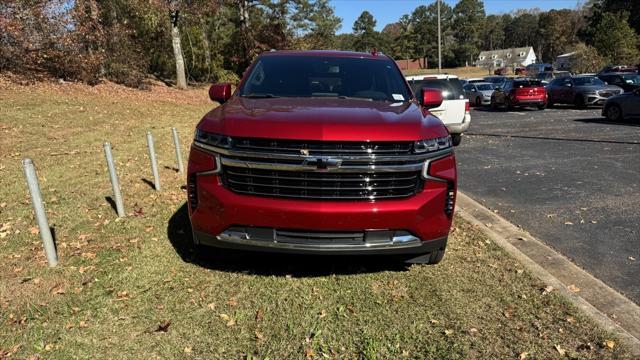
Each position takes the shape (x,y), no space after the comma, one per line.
(149,182)
(269,264)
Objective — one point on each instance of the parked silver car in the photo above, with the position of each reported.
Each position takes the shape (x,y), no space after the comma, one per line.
(623,106)
(479,93)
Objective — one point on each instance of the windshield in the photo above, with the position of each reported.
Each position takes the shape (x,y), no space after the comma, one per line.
(494,80)
(483,87)
(451,88)
(319,76)
(631,79)
(526,83)
(587,80)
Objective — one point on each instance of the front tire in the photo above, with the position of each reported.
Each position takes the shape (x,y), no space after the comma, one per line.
(478,102)
(613,113)
(456,139)
(541,106)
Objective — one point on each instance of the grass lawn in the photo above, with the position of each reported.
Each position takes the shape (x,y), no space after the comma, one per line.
(132,288)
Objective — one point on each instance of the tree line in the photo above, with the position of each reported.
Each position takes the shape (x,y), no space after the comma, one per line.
(129,41)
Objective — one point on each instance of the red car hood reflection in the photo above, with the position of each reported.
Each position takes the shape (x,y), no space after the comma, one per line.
(322,119)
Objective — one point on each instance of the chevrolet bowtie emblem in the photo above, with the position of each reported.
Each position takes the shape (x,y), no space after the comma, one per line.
(323,163)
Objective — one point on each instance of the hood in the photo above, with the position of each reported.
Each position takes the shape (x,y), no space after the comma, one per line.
(486,92)
(585,88)
(322,119)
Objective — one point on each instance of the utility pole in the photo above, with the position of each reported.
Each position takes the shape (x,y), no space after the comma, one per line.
(439,42)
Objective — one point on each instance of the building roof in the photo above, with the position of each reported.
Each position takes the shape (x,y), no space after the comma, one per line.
(506,55)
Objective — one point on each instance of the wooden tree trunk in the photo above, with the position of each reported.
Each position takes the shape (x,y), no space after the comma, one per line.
(181,79)
(207,48)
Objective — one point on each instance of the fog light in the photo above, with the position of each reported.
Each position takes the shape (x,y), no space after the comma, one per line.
(192,191)
(450,201)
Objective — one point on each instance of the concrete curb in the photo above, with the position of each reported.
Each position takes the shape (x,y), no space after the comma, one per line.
(610,309)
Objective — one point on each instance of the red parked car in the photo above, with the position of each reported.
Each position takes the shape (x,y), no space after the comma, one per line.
(323,152)
(520,92)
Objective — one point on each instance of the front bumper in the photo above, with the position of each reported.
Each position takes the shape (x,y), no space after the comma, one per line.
(594,99)
(249,239)
(220,211)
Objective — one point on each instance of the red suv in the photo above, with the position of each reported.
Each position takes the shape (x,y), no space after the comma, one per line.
(323,152)
(520,92)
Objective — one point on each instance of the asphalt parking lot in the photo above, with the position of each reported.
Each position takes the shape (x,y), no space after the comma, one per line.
(567,176)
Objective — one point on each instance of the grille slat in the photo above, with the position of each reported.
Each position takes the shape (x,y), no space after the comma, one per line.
(323,147)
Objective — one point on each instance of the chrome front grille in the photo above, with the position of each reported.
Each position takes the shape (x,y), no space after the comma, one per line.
(322,170)
(321,185)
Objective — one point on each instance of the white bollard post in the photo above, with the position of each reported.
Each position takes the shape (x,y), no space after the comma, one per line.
(176,142)
(41,215)
(115,184)
(154,163)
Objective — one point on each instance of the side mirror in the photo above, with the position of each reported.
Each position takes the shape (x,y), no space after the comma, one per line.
(431,98)
(220,92)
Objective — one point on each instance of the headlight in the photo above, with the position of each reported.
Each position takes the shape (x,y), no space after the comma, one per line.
(216,140)
(430,145)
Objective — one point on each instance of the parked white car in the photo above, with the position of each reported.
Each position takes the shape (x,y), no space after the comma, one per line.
(454,111)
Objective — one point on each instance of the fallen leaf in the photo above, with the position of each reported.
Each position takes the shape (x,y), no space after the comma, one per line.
(632,258)
(547,289)
(309,353)
(448,332)
(34,230)
(573,288)
(523,355)
(163,326)
(188,350)
(560,350)
(473,332)
(259,336)
(508,312)
(571,320)
(211,306)
(322,314)
(224,317)
(83,324)
(609,344)
(232,302)
(259,315)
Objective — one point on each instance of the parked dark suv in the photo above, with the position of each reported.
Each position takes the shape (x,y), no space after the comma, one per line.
(580,90)
(626,80)
(323,152)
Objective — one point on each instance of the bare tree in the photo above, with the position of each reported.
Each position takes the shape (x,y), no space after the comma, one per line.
(181,79)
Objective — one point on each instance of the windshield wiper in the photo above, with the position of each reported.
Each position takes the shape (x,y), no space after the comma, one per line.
(354,98)
(259,96)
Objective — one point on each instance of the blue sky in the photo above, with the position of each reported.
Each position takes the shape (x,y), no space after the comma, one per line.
(388,11)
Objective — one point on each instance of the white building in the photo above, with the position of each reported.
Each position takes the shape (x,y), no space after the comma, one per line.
(563,62)
(506,57)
